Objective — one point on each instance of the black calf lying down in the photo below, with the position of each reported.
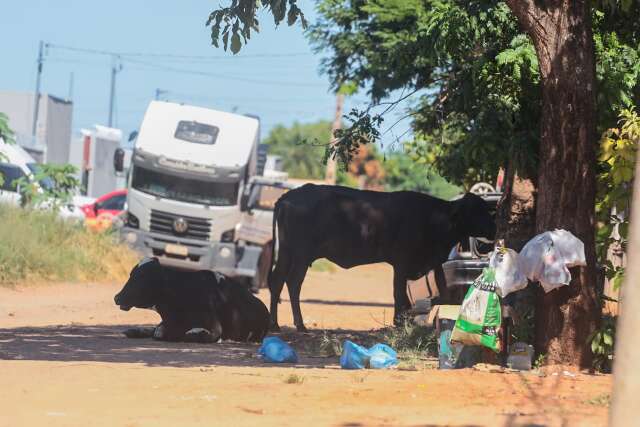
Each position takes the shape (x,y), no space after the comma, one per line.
(199,306)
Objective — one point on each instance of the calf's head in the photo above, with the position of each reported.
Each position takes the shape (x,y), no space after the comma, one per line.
(144,287)
(473,217)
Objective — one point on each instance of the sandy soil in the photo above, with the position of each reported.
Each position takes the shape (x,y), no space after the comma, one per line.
(64,362)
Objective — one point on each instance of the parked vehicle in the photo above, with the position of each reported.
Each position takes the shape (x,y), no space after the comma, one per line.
(255,227)
(16,163)
(111,204)
(189,168)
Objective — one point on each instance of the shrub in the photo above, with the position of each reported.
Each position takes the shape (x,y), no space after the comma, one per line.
(38,246)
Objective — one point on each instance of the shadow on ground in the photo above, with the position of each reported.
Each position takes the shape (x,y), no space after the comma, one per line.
(106,343)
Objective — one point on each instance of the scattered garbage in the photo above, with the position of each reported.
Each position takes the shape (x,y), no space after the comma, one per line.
(520,356)
(274,350)
(480,315)
(453,355)
(509,276)
(547,257)
(379,356)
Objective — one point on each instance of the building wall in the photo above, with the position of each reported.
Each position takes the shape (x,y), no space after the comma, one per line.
(53,130)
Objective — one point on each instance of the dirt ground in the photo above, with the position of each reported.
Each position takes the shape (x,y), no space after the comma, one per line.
(64,362)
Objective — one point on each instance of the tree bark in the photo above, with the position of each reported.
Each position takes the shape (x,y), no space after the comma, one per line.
(561,32)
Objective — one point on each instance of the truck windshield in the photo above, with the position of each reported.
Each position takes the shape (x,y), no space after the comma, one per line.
(196,132)
(184,189)
(264,197)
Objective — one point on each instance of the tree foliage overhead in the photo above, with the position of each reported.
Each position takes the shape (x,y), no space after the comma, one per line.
(235,22)
(477,73)
(300,149)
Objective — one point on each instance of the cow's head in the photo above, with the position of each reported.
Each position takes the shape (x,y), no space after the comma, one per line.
(473,217)
(143,288)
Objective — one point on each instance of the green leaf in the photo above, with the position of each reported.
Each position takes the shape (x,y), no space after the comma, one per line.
(235,43)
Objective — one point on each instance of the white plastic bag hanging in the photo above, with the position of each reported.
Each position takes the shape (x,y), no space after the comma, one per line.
(509,276)
(547,256)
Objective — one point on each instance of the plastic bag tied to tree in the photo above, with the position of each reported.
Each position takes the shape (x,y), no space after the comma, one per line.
(508,272)
(480,315)
(548,256)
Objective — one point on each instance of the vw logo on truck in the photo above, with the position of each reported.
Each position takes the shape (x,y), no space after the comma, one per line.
(180,225)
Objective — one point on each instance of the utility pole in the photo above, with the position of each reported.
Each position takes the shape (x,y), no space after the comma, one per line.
(626,375)
(36,95)
(330,173)
(116,66)
(70,96)
(159,93)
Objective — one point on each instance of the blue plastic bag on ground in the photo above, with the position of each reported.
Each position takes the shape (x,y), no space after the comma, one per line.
(355,356)
(382,356)
(274,350)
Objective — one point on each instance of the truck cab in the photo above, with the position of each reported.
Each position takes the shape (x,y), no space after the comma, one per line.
(256,225)
(189,168)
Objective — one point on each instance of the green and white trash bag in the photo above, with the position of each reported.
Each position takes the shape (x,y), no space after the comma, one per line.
(480,316)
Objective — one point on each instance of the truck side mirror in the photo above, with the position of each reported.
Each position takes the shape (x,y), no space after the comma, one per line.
(244,202)
(118,160)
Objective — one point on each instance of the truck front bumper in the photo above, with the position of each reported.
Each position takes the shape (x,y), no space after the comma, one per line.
(190,254)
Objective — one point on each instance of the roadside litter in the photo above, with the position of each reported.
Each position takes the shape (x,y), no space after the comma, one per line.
(274,350)
(508,273)
(379,356)
(451,355)
(480,316)
(547,257)
(520,355)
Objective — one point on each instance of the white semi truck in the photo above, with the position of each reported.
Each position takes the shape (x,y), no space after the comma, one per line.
(188,188)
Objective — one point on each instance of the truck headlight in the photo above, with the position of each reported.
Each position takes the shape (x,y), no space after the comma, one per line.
(227,236)
(132,220)
(225,252)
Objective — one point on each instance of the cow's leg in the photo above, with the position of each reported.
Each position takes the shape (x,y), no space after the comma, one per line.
(401,302)
(294,285)
(276,282)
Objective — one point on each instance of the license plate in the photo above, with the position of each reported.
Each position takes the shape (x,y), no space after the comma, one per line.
(176,250)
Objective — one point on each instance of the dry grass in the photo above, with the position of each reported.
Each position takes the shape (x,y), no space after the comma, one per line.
(294,379)
(38,247)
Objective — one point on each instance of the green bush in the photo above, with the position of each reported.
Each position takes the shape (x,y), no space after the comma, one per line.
(37,246)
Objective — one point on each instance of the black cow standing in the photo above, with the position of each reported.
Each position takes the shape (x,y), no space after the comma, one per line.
(199,306)
(411,231)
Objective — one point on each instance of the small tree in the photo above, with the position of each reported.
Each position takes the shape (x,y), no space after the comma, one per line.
(52,186)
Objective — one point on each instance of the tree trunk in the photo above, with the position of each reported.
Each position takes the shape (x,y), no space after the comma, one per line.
(515,216)
(562,35)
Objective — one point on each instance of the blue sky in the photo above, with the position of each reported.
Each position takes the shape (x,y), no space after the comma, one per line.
(260,80)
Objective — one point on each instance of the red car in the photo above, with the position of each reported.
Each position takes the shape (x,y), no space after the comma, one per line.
(110,204)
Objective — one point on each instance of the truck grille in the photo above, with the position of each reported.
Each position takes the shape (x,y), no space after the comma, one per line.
(197,228)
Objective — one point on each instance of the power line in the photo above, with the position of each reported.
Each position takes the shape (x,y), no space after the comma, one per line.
(171,55)
(220,76)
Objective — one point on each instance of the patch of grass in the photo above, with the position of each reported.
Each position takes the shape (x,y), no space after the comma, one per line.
(323,265)
(600,400)
(330,345)
(411,339)
(540,361)
(38,246)
(294,379)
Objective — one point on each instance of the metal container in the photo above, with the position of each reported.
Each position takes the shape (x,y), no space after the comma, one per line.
(462,272)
